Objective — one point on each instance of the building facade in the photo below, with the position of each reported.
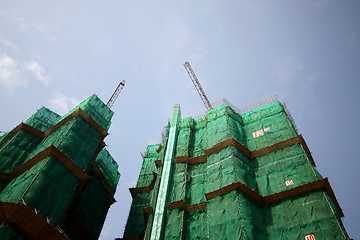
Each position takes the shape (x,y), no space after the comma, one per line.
(233,176)
(56,179)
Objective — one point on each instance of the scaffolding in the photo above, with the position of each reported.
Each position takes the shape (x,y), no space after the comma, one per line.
(56,176)
(236,175)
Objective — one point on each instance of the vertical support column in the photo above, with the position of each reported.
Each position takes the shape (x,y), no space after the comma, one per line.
(157,230)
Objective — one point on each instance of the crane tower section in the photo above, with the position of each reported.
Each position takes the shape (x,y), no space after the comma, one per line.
(197,85)
(116,94)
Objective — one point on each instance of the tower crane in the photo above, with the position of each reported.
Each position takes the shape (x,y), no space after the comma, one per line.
(116,94)
(198,87)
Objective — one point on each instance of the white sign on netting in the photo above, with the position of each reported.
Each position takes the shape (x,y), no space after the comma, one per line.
(310,237)
(258,133)
(290,182)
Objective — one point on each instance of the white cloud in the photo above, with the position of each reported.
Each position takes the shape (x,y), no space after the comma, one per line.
(7,43)
(38,71)
(61,103)
(11,74)
(29,27)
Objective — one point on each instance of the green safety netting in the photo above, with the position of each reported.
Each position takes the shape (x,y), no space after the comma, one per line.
(224,123)
(296,217)
(97,110)
(174,224)
(274,123)
(235,215)
(108,167)
(7,232)
(48,186)
(273,169)
(177,188)
(75,132)
(16,150)
(3,136)
(197,141)
(182,141)
(144,199)
(196,184)
(135,223)
(93,206)
(146,173)
(43,119)
(195,226)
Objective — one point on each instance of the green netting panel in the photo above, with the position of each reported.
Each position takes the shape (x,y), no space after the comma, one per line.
(275,168)
(195,225)
(182,142)
(96,109)
(306,214)
(243,169)
(232,216)
(323,229)
(7,232)
(220,169)
(3,136)
(177,188)
(262,112)
(93,206)
(237,130)
(108,167)
(196,184)
(224,123)
(280,129)
(151,150)
(43,119)
(148,166)
(15,151)
(217,131)
(199,123)
(47,186)
(135,223)
(187,122)
(174,223)
(16,188)
(76,132)
(155,190)
(197,143)
(149,226)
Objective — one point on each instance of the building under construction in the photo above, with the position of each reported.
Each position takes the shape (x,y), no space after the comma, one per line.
(57,181)
(233,175)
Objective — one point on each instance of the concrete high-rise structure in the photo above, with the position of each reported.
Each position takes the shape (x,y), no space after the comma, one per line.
(232,175)
(56,180)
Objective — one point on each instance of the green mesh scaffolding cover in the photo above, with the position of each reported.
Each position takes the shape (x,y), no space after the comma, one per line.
(234,214)
(97,110)
(49,185)
(108,167)
(8,232)
(17,149)
(43,119)
(94,206)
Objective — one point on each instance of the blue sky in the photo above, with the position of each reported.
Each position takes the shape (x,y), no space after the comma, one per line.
(56,54)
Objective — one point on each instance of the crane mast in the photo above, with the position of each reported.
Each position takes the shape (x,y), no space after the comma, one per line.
(116,94)
(197,85)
